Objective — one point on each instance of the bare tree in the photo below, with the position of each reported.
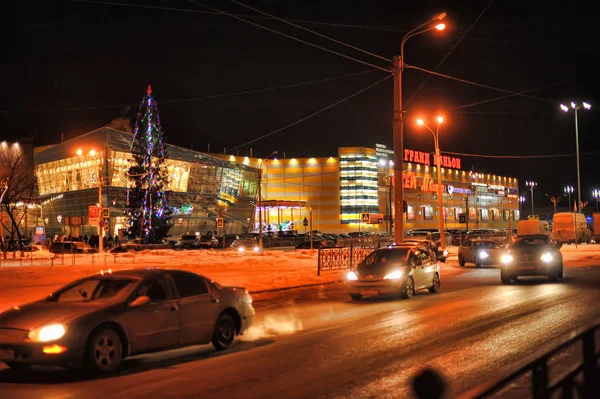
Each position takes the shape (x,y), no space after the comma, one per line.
(16,171)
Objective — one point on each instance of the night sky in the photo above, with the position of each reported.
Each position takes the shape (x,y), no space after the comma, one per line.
(71,67)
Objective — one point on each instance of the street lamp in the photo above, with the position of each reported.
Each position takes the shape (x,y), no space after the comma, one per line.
(577,107)
(92,154)
(568,190)
(438,163)
(596,194)
(398,123)
(260,242)
(531,185)
(554,200)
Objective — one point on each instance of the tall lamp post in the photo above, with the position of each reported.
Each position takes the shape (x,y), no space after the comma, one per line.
(260,242)
(596,194)
(531,185)
(438,163)
(398,124)
(92,153)
(554,200)
(577,107)
(521,200)
(568,190)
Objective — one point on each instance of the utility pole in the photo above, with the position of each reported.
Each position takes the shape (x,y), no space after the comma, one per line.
(398,131)
(100,219)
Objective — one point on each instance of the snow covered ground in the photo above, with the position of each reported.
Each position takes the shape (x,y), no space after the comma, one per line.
(27,279)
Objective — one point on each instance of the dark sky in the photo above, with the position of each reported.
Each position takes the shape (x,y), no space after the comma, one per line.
(73,66)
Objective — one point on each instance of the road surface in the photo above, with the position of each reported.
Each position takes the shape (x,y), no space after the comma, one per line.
(316,343)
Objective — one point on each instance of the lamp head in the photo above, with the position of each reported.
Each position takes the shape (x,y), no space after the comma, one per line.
(440,119)
(440,26)
(420,122)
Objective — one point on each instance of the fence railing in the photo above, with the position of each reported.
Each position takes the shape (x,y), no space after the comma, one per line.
(588,386)
(341,257)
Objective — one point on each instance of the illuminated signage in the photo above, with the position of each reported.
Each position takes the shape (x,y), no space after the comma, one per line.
(424,158)
(382,151)
(458,190)
(426,184)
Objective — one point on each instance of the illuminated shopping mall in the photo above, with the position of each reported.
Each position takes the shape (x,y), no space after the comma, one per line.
(331,192)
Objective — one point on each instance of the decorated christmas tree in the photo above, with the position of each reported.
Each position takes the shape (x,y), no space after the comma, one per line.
(147,211)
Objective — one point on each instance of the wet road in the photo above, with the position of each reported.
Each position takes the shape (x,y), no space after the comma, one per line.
(326,346)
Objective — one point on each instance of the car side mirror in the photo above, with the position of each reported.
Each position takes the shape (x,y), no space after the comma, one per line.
(140,301)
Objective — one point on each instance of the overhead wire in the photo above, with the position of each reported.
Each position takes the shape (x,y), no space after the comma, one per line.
(478,84)
(312,31)
(198,3)
(506,96)
(207,97)
(519,156)
(449,52)
(312,114)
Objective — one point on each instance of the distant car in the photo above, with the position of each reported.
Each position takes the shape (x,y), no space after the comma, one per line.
(99,320)
(69,247)
(440,254)
(249,244)
(401,270)
(187,241)
(532,255)
(484,251)
(127,247)
(35,248)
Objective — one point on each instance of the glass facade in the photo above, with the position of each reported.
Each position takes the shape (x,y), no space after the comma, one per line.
(358,183)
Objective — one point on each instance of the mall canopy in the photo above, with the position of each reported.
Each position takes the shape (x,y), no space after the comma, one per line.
(281,204)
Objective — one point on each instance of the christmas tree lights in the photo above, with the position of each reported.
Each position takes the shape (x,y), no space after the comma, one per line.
(149,216)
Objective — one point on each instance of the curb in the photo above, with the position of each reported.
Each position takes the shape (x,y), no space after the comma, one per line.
(295,287)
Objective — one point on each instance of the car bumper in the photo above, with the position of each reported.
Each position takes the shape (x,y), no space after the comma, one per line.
(531,268)
(18,350)
(375,287)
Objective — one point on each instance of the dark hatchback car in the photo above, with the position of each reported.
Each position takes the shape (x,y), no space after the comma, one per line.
(101,319)
(398,270)
(532,255)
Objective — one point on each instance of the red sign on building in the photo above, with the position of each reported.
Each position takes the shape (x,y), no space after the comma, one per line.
(93,214)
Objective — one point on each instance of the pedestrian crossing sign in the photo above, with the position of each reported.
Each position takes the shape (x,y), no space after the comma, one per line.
(366,217)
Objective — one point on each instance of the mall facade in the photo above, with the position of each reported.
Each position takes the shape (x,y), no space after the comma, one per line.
(331,194)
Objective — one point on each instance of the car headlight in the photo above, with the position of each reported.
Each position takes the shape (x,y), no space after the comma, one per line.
(351,276)
(48,333)
(506,258)
(256,248)
(483,254)
(547,257)
(445,252)
(395,275)
(241,249)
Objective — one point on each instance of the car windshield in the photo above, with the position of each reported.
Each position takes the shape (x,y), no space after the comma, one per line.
(386,256)
(486,244)
(91,289)
(527,242)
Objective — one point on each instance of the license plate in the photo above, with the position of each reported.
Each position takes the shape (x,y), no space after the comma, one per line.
(7,354)
(369,292)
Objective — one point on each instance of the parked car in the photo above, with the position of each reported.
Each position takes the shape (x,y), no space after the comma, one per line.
(127,247)
(99,320)
(437,252)
(70,247)
(402,270)
(436,237)
(187,241)
(532,255)
(484,251)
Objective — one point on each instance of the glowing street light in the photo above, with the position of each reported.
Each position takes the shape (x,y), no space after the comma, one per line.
(596,194)
(577,107)
(531,185)
(438,164)
(398,124)
(568,190)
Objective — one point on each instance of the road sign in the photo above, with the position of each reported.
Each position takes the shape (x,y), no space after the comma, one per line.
(220,222)
(376,218)
(365,217)
(462,218)
(305,222)
(105,213)
(93,214)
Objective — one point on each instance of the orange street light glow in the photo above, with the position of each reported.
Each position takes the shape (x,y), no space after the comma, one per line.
(420,122)
(440,119)
(440,26)
(79,152)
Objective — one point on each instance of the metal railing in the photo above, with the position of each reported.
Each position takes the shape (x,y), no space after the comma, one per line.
(341,258)
(539,366)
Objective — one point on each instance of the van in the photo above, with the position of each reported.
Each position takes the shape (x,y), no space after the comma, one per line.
(569,226)
(528,227)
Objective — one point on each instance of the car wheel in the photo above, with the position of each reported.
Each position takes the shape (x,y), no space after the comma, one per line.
(556,275)
(409,288)
(224,333)
(461,260)
(436,284)
(506,278)
(443,260)
(477,263)
(104,350)
(356,297)
(18,366)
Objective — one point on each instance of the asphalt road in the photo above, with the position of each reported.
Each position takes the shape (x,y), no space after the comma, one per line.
(318,344)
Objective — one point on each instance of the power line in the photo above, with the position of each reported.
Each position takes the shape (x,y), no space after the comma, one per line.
(290,37)
(313,114)
(506,96)
(208,97)
(519,156)
(449,52)
(478,84)
(312,31)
